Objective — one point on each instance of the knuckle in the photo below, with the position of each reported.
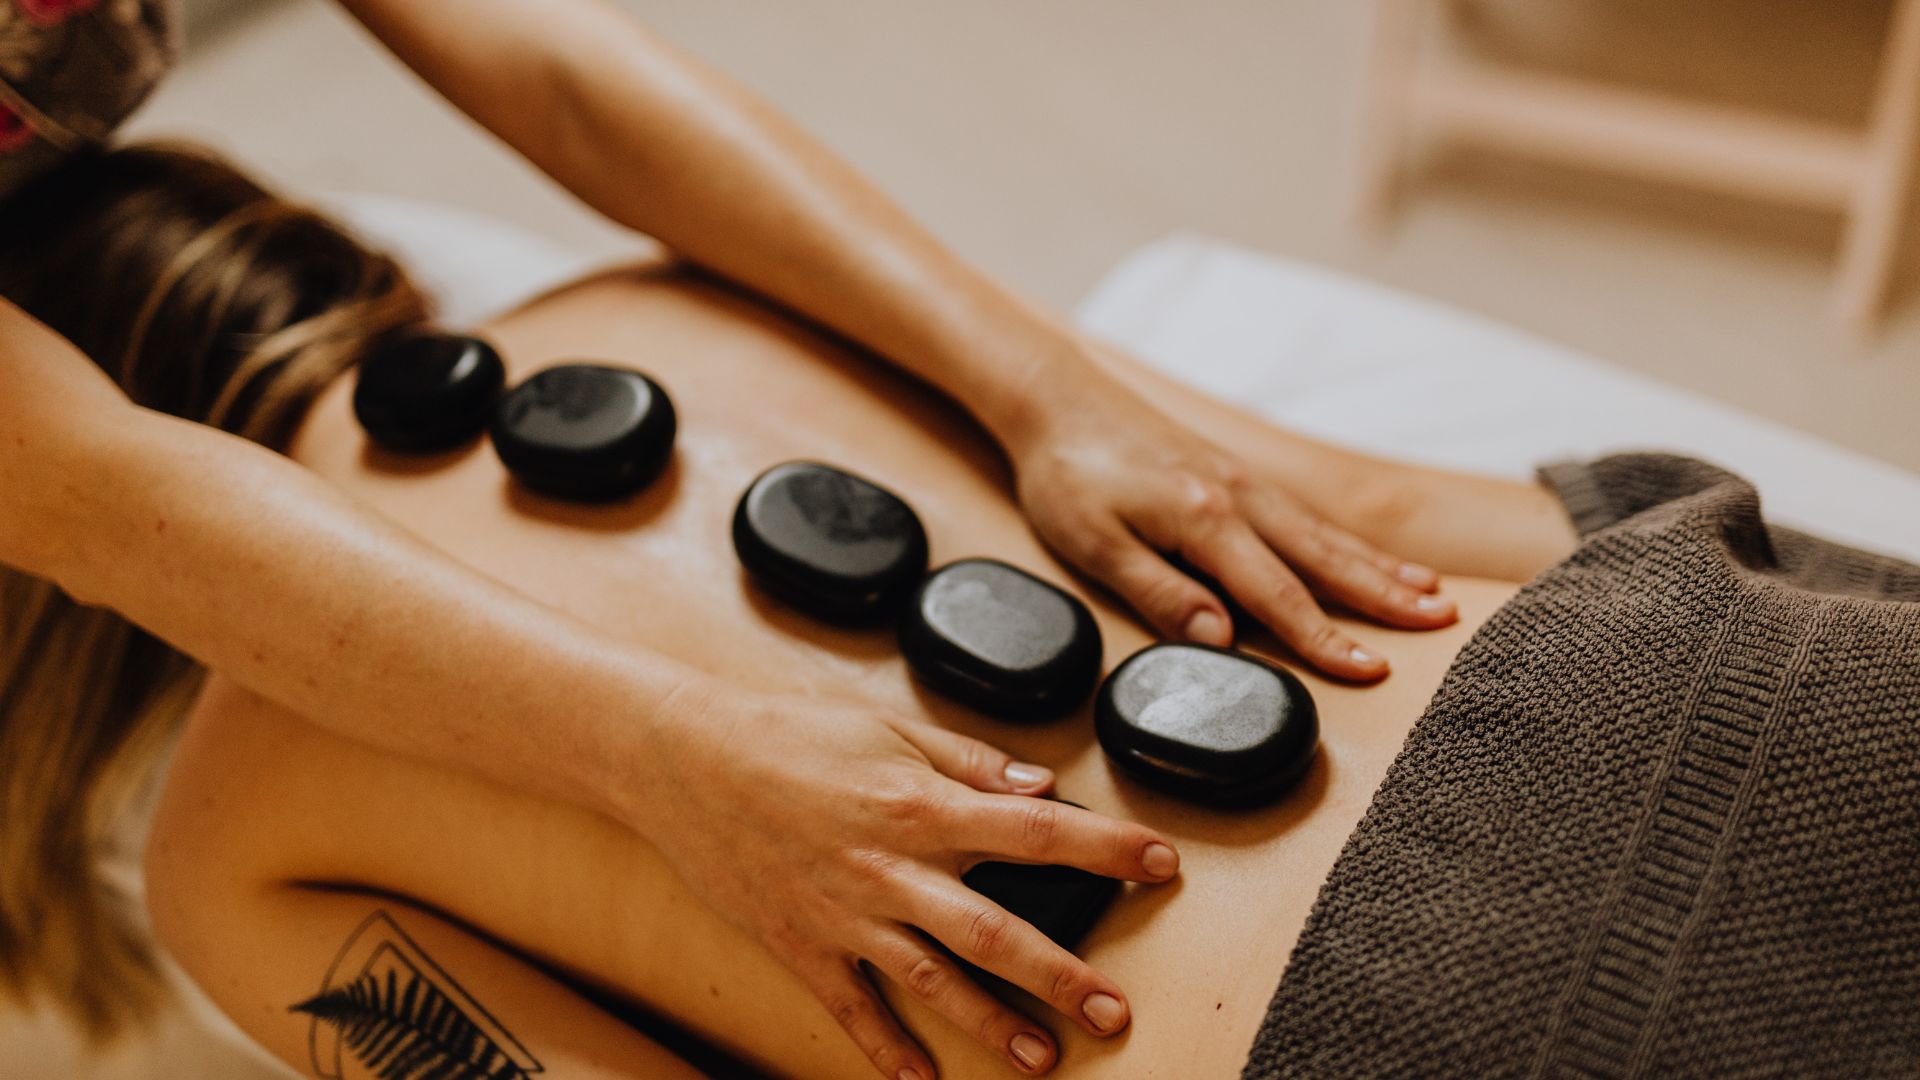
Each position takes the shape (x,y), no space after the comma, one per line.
(1292,596)
(1039,826)
(1325,638)
(1214,503)
(869,869)
(1100,556)
(1205,501)
(848,1010)
(1063,985)
(1169,596)
(988,1029)
(927,977)
(1232,473)
(980,761)
(1317,546)
(911,803)
(1106,550)
(987,933)
(784,938)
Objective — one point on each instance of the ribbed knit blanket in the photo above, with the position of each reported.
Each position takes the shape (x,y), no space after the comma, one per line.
(1662,818)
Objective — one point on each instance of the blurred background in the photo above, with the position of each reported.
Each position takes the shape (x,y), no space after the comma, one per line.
(1045,141)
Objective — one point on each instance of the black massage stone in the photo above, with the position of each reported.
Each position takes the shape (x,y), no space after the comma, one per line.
(829,543)
(584,432)
(1002,641)
(1209,725)
(425,392)
(1061,902)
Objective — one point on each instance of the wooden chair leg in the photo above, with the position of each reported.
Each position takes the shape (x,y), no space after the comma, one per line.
(1386,105)
(1879,204)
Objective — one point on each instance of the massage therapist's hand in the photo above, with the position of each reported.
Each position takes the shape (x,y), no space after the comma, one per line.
(1116,487)
(836,833)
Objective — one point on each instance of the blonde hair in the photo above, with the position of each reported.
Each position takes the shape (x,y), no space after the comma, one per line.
(207,297)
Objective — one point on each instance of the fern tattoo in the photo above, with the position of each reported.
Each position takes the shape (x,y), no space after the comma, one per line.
(402,1017)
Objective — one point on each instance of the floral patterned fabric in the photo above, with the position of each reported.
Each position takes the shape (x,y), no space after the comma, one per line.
(71,71)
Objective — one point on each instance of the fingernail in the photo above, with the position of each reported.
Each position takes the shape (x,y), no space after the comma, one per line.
(1207,627)
(1022,775)
(909,1073)
(1104,1011)
(1433,605)
(1159,860)
(1361,656)
(1416,575)
(1029,1050)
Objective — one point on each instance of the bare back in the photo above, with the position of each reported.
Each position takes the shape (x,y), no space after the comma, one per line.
(258,797)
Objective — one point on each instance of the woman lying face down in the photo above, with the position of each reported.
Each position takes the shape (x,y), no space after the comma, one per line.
(365,914)
(658,570)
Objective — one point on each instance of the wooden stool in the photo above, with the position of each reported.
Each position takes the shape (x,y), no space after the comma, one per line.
(1866,175)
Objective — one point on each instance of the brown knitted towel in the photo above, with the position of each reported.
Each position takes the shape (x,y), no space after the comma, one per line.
(1662,818)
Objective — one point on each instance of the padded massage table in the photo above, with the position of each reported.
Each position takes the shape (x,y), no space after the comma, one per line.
(1319,352)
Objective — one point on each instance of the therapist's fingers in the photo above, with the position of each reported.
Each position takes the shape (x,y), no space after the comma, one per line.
(934,978)
(1226,548)
(976,764)
(1050,833)
(850,997)
(1344,568)
(986,935)
(1175,605)
(1424,578)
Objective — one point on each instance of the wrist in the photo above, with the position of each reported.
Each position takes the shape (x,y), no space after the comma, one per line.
(1040,393)
(674,703)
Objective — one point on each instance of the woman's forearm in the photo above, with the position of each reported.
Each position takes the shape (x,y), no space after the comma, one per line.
(270,576)
(267,574)
(657,141)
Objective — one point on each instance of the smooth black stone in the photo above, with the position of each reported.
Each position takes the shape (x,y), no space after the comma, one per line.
(829,543)
(585,432)
(1061,902)
(1209,725)
(425,392)
(998,639)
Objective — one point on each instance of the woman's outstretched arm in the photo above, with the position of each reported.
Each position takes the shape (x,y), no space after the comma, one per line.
(658,142)
(264,572)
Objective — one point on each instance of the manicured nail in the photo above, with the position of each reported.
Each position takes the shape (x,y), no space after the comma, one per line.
(1159,860)
(1022,775)
(1361,656)
(1104,1011)
(1416,575)
(1433,605)
(909,1073)
(1029,1050)
(1208,628)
